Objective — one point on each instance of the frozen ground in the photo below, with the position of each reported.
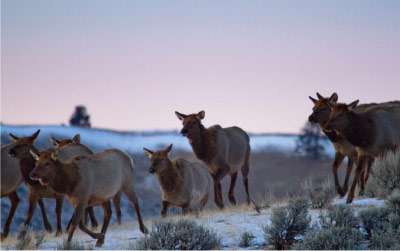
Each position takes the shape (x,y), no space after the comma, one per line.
(229,224)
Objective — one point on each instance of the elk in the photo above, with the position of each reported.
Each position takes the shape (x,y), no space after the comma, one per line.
(11,178)
(70,148)
(222,150)
(182,183)
(21,151)
(343,148)
(86,181)
(372,131)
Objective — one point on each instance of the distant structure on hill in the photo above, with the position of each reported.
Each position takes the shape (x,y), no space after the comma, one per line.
(80,117)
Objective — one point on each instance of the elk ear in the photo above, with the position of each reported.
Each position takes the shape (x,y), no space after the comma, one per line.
(54,155)
(12,137)
(353,105)
(168,148)
(34,136)
(319,96)
(180,115)
(77,139)
(54,141)
(333,98)
(312,99)
(34,155)
(200,115)
(148,152)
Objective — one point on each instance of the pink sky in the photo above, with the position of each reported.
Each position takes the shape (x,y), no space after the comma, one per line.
(251,64)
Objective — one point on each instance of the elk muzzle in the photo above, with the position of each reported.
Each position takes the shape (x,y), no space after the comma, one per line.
(184,132)
(311,119)
(33,176)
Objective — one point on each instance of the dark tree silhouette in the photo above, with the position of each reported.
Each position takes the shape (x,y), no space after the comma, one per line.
(309,142)
(80,117)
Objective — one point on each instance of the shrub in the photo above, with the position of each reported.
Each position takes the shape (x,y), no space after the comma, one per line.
(337,229)
(385,176)
(374,219)
(73,245)
(331,238)
(287,224)
(246,239)
(320,197)
(394,201)
(181,234)
(385,239)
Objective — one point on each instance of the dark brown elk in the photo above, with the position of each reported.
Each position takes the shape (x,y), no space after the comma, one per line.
(182,183)
(88,180)
(11,178)
(373,131)
(68,148)
(21,151)
(222,150)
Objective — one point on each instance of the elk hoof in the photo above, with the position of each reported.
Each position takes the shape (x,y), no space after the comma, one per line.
(48,227)
(3,236)
(349,200)
(144,230)
(58,233)
(94,226)
(100,240)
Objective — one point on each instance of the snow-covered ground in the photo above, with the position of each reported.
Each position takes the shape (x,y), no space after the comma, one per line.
(229,224)
(135,141)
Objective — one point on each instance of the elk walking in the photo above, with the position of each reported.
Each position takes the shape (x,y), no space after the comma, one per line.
(222,150)
(89,180)
(373,131)
(182,183)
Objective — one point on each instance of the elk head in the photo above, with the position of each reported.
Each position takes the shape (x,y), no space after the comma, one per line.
(22,146)
(61,143)
(191,123)
(322,108)
(45,169)
(340,117)
(159,160)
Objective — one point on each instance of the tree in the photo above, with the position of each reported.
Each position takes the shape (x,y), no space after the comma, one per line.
(309,142)
(80,117)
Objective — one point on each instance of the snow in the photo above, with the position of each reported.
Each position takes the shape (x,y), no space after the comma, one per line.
(230,224)
(135,141)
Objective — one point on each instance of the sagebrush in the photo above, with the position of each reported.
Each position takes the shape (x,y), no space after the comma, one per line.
(319,197)
(180,234)
(287,223)
(246,239)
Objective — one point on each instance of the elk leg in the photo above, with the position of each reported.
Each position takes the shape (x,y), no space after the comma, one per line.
(132,197)
(76,219)
(107,217)
(203,201)
(32,206)
(217,186)
(336,164)
(46,222)
(165,205)
(90,211)
(86,217)
(14,199)
(245,172)
(350,164)
(361,161)
(117,206)
(98,236)
(365,176)
(59,203)
(231,188)
(370,162)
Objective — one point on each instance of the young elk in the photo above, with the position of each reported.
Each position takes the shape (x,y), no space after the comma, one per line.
(182,183)
(222,150)
(372,131)
(343,148)
(68,148)
(88,180)
(11,178)
(21,151)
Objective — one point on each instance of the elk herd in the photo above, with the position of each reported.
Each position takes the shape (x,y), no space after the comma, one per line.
(358,132)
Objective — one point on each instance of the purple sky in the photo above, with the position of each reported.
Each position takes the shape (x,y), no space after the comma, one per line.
(251,64)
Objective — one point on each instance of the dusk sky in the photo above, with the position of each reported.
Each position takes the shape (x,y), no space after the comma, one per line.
(251,64)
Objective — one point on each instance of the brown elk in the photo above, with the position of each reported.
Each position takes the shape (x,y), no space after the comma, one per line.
(343,148)
(68,148)
(89,180)
(11,178)
(182,183)
(373,131)
(21,151)
(222,150)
